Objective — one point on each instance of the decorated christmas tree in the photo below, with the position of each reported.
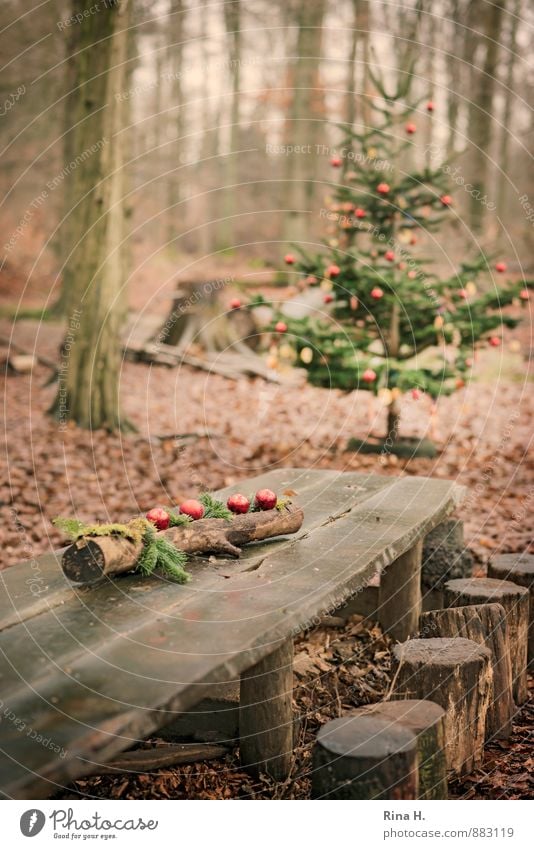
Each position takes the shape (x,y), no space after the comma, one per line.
(391,324)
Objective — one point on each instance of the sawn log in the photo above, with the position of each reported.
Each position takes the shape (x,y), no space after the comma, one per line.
(90,558)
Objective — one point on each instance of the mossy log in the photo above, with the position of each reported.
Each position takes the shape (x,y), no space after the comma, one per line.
(485,624)
(90,558)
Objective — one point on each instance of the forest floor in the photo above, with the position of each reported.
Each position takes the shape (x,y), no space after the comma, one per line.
(235,429)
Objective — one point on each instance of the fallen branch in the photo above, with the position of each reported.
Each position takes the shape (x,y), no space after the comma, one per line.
(92,557)
(143,760)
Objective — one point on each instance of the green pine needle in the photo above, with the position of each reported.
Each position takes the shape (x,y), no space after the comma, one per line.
(214,509)
(179,519)
(171,561)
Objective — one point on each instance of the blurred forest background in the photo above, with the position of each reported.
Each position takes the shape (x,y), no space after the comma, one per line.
(201,102)
(211,93)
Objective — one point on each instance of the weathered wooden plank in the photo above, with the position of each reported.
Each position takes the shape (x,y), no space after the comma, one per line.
(36,586)
(88,617)
(103,704)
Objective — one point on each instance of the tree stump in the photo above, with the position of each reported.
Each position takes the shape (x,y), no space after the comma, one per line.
(518,568)
(265,714)
(426,720)
(399,595)
(444,557)
(515,600)
(364,757)
(485,624)
(457,674)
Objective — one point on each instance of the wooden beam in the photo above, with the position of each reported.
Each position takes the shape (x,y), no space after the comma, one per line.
(265,714)
(399,596)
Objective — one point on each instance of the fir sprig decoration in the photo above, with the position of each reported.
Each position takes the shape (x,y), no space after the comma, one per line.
(213,508)
(158,553)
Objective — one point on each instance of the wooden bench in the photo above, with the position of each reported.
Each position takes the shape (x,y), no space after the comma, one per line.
(88,672)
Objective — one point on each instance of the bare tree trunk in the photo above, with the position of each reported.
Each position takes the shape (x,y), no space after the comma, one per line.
(363,17)
(232,18)
(502,159)
(303,118)
(175,204)
(480,111)
(89,377)
(350,98)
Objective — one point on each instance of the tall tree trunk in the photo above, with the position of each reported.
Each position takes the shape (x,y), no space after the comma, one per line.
(175,51)
(304,118)
(232,19)
(89,374)
(350,98)
(509,94)
(480,111)
(363,18)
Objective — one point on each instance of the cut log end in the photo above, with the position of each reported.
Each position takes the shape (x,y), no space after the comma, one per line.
(426,720)
(485,624)
(364,757)
(457,674)
(91,558)
(515,600)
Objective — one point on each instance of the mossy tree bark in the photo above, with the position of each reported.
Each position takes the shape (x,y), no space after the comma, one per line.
(95,269)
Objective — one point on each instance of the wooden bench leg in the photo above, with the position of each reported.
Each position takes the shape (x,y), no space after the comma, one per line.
(399,597)
(265,716)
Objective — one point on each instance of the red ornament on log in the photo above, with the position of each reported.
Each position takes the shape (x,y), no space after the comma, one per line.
(159,517)
(192,508)
(238,503)
(265,499)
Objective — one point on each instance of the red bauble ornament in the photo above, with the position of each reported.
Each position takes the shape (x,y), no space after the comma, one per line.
(413,240)
(416,394)
(460,383)
(390,256)
(464,294)
(446,200)
(500,267)
(524,294)
(377,293)
(335,162)
(360,213)
(280,327)
(238,503)
(354,302)
(235,304)
(311,281)
(265,499)
(410,129)
(369,375)
(289,259)
(494,341)
(430,106)
(328,298)
(159,517)
(383,188)
(332,271)
(412,275)
(192,508)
